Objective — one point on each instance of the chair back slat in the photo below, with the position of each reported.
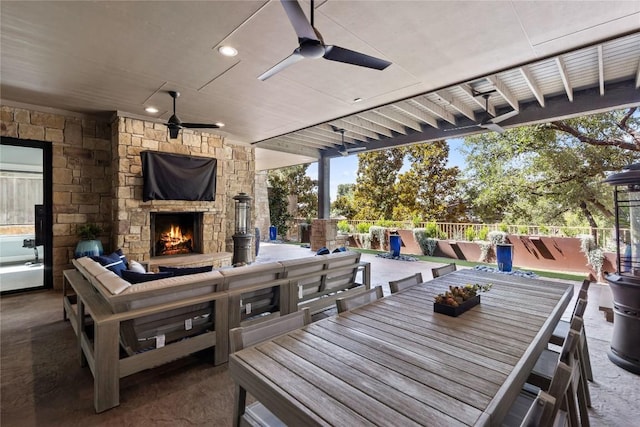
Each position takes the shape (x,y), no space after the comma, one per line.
(541,411)
(246,336)
(359,299)
(404,283)
(445,269)
(581,306)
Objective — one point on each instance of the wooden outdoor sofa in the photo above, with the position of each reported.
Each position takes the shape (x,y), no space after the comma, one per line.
(123,329)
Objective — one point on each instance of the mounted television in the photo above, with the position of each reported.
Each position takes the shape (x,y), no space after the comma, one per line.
(169,176)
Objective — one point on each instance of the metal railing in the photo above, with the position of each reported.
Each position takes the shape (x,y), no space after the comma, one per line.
(459,231)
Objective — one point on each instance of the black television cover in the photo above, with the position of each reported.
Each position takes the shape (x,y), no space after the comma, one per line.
(169,176)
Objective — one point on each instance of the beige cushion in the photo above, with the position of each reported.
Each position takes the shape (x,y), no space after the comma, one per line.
(94,268)
(114,283)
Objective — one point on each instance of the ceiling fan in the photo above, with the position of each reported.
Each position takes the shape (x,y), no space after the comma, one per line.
(489,122)
(175,124)
(312,45)
(343,150)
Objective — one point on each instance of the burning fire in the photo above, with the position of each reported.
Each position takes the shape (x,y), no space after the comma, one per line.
(173,242)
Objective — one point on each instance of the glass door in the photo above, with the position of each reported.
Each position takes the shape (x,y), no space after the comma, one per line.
(24,224)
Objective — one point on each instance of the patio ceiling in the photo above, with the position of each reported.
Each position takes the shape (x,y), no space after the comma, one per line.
(546,59)
(593,79)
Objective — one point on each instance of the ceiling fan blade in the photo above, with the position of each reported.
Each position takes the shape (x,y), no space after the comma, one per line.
(492,126)
(200,126)
(299,20)
(505,116)
(289,60)
(340,54)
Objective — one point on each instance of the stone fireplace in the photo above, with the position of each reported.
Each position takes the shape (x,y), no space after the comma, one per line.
(201,229)
(175,233)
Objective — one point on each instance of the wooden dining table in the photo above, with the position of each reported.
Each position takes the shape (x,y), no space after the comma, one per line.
(395,362)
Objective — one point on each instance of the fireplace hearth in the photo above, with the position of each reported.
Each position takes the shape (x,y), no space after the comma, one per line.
(176,233)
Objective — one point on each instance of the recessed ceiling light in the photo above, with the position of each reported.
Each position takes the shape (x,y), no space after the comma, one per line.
(151,110)
(227,51)
(219,124)
(357,99)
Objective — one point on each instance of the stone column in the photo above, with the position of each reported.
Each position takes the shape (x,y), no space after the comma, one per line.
(324,234)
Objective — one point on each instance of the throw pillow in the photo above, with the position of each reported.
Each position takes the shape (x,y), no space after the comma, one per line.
(112,261)
(134,277)
(183,271)
(136,266)
(122,257)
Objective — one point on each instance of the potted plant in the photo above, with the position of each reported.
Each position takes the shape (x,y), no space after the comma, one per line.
(89,244)
(459,299)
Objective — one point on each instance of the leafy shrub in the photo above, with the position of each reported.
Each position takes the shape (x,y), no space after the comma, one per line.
(365,240)
(432,230)
(363,227)
(497,237)
(485,251)
(543,230)
(377,232)
(483,232)
(569,232)
(523,229)
(89,231)
(470,234)
(503,227)
(427,244)
(385,223)
(343,226)
(594,254)
(416,220)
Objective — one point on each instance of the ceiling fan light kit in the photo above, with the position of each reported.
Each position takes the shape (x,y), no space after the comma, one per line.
(311,45)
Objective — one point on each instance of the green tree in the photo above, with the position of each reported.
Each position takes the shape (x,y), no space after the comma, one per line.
(377,173)
(344,203)
(539,174)
(286,183)
(428,189)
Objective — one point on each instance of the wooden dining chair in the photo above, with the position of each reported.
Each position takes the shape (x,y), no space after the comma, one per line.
(562,330)
(541,374)
(359,299)
(445,269)
(404,283)
(257,414)
(553,407)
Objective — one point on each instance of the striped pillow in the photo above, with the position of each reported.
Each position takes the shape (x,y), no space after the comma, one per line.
(112,262)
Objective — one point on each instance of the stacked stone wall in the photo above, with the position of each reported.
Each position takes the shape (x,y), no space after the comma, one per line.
(81,173)
(235,173)
(97,178)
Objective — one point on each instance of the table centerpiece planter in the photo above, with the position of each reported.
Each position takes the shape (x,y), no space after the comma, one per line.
(450,310)
(459,299)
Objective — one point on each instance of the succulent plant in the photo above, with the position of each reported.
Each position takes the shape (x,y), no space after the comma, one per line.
(456,295)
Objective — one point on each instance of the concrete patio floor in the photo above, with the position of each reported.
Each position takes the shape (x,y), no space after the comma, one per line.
(42,383)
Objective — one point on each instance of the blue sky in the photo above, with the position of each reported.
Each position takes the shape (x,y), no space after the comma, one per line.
(344,169)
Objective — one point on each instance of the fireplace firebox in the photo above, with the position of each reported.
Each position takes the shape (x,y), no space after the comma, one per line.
(176,233)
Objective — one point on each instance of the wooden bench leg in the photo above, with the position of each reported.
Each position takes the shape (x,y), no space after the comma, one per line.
(106,373)
(80,330)
(239,404)
(221,349)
